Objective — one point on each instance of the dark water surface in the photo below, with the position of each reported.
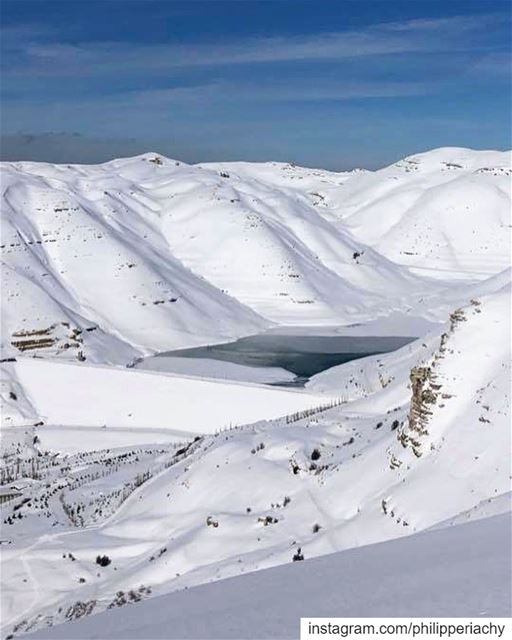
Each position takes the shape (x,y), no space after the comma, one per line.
(302,355)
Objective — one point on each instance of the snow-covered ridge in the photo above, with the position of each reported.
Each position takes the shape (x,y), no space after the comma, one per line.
(146,254)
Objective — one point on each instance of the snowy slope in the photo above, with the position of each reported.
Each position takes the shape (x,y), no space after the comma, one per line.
(485,509)
(445,212)
(443,573)
(425,441)
(186,478)
(270,248)
(87,267)
(146,254)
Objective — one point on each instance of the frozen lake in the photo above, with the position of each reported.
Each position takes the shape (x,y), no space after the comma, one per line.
(303,356)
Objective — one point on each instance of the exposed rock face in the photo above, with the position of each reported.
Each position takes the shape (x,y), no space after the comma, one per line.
(425,392)
(55,339)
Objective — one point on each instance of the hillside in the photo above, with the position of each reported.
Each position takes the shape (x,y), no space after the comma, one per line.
(454,575)
(444,213)
(424,441)
(147,254)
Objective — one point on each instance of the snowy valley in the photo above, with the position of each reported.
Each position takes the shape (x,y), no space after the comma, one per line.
(126,476)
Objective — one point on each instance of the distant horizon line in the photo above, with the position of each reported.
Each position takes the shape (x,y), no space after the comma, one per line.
(150,152)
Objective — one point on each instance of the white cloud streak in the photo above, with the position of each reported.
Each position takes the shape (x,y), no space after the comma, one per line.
(38,55)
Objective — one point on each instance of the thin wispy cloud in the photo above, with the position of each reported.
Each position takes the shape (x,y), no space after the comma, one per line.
(494,64)
(229,92)
(32,55)
(284,92)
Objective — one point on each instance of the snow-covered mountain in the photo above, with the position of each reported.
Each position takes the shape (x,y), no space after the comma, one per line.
(444,213)
(123,483)
(146,254)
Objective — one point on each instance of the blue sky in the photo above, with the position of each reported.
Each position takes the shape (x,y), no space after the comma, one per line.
(337,84)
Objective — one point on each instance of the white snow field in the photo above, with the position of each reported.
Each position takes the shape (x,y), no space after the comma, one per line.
(70,394)
(432,574)
(119,483)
